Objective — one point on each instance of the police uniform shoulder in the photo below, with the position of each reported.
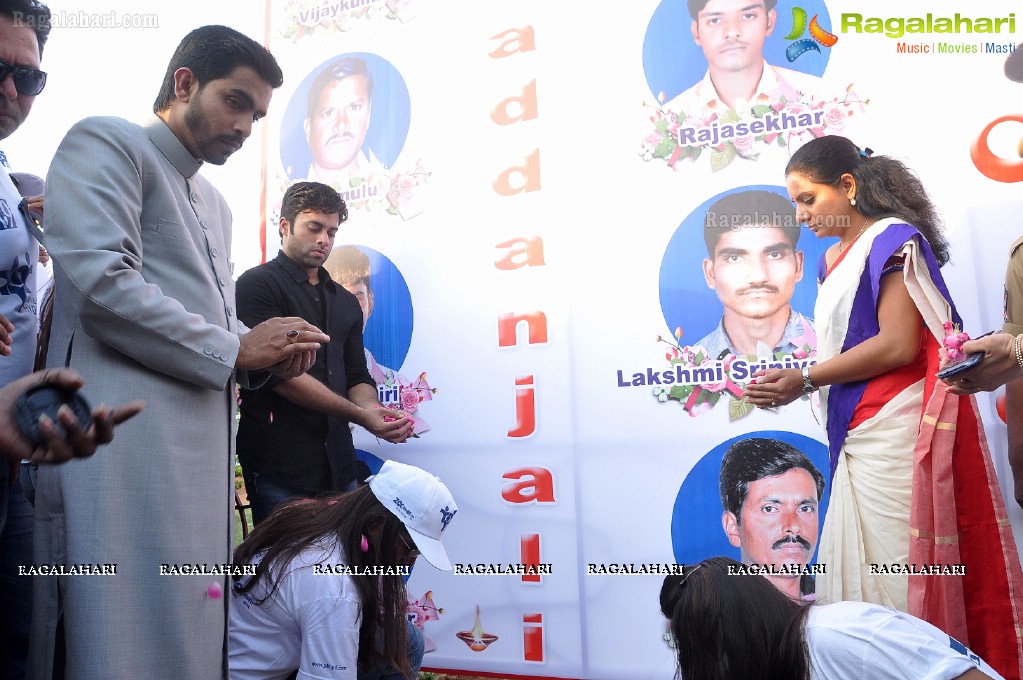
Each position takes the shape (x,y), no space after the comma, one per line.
(1015,246)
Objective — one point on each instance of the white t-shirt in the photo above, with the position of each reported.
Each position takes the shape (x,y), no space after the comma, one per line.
(42,284)
(19,257)
(311,623)
(862,641)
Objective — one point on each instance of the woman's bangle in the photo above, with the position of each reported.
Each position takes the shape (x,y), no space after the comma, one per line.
(1019,350)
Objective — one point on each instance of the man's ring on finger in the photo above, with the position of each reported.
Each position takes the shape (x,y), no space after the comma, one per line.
(292,335)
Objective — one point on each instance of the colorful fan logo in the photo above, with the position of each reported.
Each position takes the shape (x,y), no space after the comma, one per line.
(803,45)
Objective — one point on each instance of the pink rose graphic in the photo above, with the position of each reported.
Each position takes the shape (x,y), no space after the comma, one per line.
(719,385)
(409,400)
(405,186)
(834,117)
(742,144)
(400,191)
(795,108)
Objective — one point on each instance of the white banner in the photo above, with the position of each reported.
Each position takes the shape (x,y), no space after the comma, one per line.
(541,193)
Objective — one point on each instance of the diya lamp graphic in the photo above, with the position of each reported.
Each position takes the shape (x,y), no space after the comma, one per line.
(991,165)
(476,639)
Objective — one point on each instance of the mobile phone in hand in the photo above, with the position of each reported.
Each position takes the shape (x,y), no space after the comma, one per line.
(952,370)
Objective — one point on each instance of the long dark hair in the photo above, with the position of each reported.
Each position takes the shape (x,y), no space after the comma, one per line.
(328,522)
(885,187)
(734,626)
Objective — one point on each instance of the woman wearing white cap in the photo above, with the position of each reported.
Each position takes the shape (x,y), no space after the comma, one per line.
(310,607)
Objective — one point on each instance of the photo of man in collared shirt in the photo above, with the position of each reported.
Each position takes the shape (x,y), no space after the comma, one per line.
(731,34)
(345,124)
(753,265)
(337,119)
(770,492)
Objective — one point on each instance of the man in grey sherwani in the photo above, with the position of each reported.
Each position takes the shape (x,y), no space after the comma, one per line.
(145,309)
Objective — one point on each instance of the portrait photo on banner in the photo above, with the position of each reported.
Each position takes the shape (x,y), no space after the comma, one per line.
(346,125)
(737,289)
(388,320)
(732,79)
(759,498)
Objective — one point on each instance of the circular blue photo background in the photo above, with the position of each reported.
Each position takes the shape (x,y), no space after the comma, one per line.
(686,300)
(388,333)
(673,62)
(696,531)
(388,125)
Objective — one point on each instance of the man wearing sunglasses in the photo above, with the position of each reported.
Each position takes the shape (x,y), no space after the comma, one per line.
(24,27)
(145,307)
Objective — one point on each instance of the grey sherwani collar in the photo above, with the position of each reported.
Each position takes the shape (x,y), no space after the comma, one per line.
(172,148)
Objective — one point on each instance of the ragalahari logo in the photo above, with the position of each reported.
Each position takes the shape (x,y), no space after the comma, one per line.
(803,45)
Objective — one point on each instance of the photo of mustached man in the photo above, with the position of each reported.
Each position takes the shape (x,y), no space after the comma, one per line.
(337,119)
(753,265)
(769,493)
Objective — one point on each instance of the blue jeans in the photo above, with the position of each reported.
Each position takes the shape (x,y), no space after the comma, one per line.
(16,591)
(416,648)
(265,495)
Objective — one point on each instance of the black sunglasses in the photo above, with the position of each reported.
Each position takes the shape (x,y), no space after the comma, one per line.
(27,81)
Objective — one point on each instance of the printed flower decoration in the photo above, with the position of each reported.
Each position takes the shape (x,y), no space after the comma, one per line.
(378,188)
(422,610)
(712,375)
(409,400)
(400,393)
(404,186)
(305,18)
(806,344)
(664,142)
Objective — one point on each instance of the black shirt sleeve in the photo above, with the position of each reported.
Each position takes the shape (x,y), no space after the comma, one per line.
(258,299)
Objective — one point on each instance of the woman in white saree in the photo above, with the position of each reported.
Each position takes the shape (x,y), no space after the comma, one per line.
(900,501)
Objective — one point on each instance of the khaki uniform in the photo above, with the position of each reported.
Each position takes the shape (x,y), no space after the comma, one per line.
(1014,290)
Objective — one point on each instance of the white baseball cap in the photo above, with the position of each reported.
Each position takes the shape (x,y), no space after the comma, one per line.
(422,503)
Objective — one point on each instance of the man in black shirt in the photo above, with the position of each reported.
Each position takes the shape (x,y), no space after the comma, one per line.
(294,438)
